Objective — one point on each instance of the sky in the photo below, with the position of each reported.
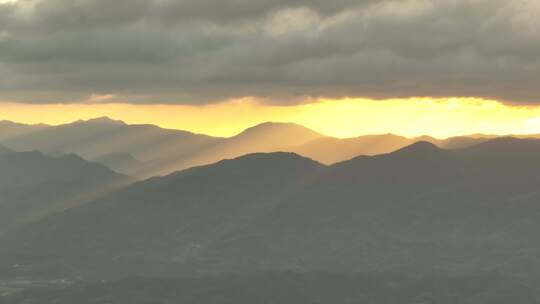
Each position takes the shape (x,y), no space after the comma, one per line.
(345,118)
(342,67)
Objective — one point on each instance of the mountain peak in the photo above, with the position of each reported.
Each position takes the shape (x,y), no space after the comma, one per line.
(284,165)
(101,120)
(273,156)
(286,133)
(419,148)
(278,126)
(270,161)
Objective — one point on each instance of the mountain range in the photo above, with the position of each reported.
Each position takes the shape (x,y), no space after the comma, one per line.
(146,150)
(421,210)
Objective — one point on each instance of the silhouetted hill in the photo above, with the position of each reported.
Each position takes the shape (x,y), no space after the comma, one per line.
(284,134)
(290,288)
(420,148)
(420,210)
(266,137)
(332,150)
(33,185)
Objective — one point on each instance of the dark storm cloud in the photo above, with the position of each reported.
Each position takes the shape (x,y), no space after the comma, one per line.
(199,51)
(59,14)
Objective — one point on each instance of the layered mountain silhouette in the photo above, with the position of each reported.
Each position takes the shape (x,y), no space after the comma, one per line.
(146,150)
(102,137)
(34,186)
(266,137)
(332,150)
(420,210)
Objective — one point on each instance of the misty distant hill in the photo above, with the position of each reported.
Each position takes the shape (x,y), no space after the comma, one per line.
(331,150)
(33,186)
(420,210)
(9,129)
(266,137)
(290,288)
(146,150)
(101,137)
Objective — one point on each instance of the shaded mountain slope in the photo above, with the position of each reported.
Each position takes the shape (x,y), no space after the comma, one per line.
(33,186)
(420,210)
(161,220)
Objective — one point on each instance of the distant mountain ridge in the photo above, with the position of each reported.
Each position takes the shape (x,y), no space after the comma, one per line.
(266,137)
(146,150)
(10,129)
(98,138)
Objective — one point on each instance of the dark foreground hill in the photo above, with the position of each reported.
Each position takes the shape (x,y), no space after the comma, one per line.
(289,288)
(420,210)
(34,186)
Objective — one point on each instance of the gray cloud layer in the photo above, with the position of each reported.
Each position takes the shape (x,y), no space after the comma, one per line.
(199,51)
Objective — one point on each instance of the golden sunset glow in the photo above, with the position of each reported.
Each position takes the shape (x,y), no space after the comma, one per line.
(340,118)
